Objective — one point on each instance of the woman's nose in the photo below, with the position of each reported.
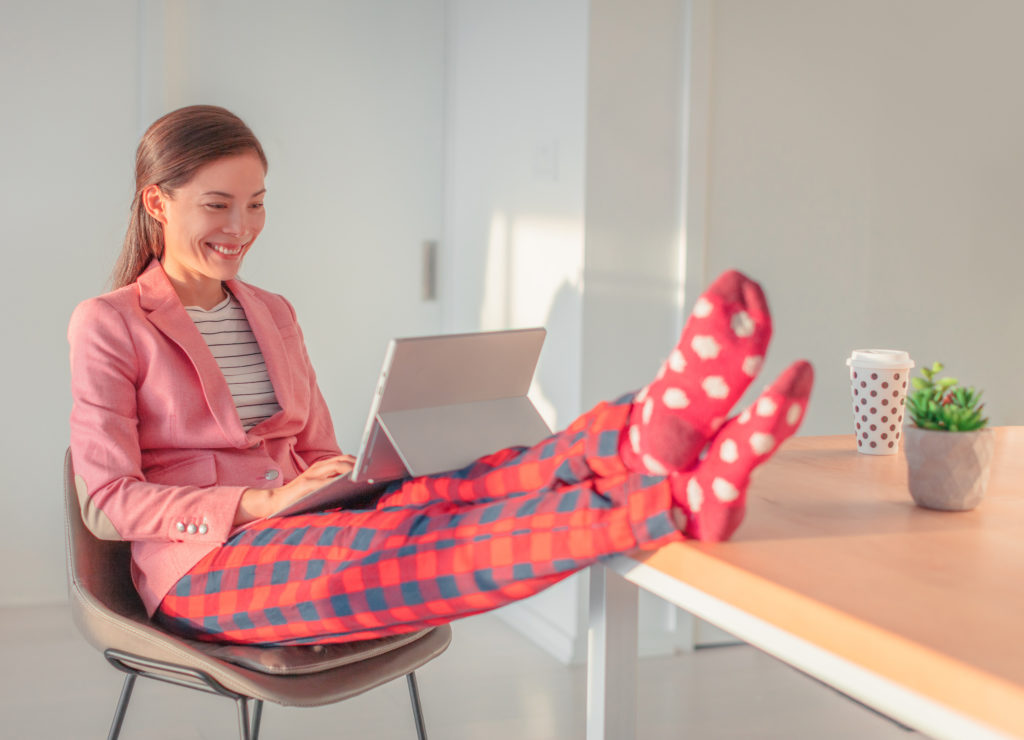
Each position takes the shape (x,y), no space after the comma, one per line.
(236,222)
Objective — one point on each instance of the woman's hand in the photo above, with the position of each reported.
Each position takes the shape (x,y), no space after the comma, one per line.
(257,503)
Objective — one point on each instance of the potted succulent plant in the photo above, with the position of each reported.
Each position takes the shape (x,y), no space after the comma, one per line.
(948,447)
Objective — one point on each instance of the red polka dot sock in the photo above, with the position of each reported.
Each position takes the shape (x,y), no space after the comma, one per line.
(712,497)
(719,353)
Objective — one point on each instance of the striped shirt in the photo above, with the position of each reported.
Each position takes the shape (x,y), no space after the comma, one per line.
(229,337)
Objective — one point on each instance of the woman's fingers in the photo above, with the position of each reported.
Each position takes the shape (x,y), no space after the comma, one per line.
(329,468)
(266,502)
(309,480)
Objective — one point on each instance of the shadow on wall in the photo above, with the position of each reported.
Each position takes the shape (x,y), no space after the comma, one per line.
(556,384)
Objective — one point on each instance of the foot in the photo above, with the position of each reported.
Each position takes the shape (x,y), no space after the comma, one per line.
(719,353)
(712,497)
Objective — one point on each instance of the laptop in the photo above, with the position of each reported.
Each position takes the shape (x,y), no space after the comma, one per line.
(441,402)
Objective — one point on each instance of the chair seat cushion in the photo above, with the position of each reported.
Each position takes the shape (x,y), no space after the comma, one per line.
(301,659)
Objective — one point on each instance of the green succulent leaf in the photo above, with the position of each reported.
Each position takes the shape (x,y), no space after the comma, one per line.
(943,404)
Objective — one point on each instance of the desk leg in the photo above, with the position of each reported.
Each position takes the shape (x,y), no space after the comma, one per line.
(611,657)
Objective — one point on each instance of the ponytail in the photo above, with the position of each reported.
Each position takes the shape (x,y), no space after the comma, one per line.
(143,241)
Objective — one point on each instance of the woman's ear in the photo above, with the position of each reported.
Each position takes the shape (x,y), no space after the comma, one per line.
(154,200)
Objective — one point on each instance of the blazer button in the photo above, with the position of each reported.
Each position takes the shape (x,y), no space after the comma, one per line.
(203,529)
(191,529)
(180,526)
(271,475)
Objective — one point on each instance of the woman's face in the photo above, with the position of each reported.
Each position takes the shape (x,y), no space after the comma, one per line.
(212,221)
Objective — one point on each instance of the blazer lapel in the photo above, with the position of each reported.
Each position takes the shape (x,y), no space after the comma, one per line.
(164,309)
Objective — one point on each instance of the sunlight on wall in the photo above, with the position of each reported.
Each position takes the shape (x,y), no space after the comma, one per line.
(682,294)
(547,255)
(533,277)
(494,311)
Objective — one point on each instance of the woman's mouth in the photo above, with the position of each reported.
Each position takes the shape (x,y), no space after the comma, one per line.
(228,250)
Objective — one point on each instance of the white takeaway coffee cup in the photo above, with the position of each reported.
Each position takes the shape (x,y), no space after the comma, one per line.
(878,384)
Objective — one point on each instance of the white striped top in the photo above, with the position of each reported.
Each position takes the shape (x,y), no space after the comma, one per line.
(229,337)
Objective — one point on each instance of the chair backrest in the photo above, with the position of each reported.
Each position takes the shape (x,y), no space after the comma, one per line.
(99,575)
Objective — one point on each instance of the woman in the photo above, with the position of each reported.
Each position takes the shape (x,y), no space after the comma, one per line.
(196,415)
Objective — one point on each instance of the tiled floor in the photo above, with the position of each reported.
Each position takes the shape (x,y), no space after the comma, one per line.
(492,684)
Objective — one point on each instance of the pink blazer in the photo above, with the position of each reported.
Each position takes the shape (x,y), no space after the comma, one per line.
(159,452)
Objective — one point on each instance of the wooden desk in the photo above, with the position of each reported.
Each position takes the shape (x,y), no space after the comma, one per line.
(917,613)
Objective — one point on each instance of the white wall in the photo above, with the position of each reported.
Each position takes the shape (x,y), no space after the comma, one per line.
(865,165)
(67,88)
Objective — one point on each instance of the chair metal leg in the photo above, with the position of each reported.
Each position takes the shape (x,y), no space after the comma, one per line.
(122,706)
(417,710)
(257,715)
(243,718)
(179,675)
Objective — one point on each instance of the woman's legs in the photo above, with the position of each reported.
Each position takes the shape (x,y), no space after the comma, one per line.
(351,574)
(515,522)
(355,574)
(587,448)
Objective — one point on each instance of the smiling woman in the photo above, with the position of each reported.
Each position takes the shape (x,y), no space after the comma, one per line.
(197,417)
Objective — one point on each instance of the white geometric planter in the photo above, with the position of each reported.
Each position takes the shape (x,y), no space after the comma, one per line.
(947,471)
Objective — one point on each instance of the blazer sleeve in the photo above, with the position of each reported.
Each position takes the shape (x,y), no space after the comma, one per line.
(116,500)
(317,440)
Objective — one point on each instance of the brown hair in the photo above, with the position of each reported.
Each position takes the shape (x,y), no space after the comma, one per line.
(171,152)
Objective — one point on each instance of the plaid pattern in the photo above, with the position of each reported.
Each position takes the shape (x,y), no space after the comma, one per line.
(433,548)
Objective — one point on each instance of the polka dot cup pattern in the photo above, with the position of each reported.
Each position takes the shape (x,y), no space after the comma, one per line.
(878,386)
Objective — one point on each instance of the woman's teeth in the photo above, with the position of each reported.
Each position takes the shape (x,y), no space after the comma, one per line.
(229,251)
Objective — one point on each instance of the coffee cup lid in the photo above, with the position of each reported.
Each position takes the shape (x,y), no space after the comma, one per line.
(882,359)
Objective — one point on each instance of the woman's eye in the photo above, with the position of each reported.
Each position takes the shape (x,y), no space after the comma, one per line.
(215,205)
(256,206)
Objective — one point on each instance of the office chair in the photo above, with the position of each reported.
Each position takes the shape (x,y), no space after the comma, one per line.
(111,616)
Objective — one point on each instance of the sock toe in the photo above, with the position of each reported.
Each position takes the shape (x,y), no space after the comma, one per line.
(754,301)
(795,382)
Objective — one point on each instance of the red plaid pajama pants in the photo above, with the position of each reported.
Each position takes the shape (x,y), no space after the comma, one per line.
(433,548)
